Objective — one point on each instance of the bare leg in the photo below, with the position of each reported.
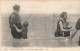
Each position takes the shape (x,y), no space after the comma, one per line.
(72,35)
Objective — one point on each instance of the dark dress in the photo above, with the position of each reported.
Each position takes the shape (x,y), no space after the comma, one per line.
(78,27)
(78,24)
(24,32)
(15,19)
(59,32)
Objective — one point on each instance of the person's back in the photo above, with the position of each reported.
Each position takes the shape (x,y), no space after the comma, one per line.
(77,27)
(78,24)
(14,19)
(58,31)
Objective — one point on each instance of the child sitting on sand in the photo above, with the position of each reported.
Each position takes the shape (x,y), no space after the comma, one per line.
(24,30)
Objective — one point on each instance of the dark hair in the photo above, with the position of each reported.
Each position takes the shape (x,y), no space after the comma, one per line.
(25,24)
(63,14)
(16,7)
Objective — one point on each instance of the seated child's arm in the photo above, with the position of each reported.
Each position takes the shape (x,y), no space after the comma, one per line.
(19,30)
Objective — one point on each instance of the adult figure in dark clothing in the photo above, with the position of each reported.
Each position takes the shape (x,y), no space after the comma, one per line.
(77,27)
(14,19)
(63,28)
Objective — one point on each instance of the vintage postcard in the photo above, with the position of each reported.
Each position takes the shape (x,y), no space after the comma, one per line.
(39,25)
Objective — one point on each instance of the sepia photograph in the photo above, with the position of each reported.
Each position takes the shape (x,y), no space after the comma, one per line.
(40,23)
